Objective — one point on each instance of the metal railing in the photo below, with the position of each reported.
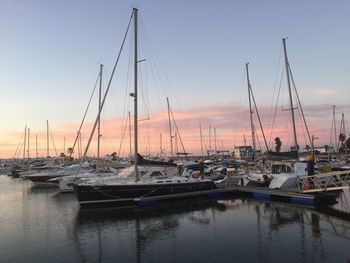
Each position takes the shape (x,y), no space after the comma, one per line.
(324,182)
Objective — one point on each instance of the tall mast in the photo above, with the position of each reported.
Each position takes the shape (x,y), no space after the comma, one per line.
(209,139)
(335,131)
(251,112)
(135,11)
(28,143)
(160,147)
(170,132)
(215,148)
(130,150)
(201,136)
(36,145)
(24,143)
(47,139)
(64,145)
(99,115)
(290,94)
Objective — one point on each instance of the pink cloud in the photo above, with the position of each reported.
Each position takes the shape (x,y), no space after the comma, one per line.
(231,123)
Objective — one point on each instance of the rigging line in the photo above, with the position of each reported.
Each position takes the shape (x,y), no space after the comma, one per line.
(302,127)
(275,112)
(276,79)
(258,115)
(86,111)
(331,138)
(257,138)
(105,95)
(161,66)
(127,91)
(299,103)
(154,54)
(144,93)
(123,134)
(126,101)
(156,77)
(204,142)
(53,142)
(182,145)
(18,145)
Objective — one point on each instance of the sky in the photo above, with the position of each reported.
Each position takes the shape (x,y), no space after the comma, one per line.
(195,54)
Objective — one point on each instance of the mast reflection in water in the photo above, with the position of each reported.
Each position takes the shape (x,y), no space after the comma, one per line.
(40,225)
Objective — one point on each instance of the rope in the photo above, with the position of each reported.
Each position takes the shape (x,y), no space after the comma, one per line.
(274,115)
(105,95)
(53,142)
(299,103)
(182,145)
(82,122)
(258,115)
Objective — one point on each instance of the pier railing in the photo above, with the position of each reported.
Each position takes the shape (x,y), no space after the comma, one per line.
(324,182)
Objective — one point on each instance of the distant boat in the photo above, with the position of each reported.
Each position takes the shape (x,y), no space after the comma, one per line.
(279,156)
(126,193)
(45,177)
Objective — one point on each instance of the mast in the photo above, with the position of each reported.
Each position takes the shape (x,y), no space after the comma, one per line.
(170,132)
(215,148)
(342,135)
(201,137)
(176,146)
(209,140)
(47,139)
(64,145)
(24,143)
(290,94)
(135,11)
(160,147)
(28,143)
(335,131)
(251,113)
(36,145)
(99,115)
(130,150)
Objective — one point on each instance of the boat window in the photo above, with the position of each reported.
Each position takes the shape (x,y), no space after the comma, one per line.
(155,173)
(276,169)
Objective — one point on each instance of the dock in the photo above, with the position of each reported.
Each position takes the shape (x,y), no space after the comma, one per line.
(256,193)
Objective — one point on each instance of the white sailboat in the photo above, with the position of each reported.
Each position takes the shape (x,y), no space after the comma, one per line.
(285,174)
(282,173)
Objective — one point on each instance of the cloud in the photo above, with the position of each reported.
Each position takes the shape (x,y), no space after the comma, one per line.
(324,91)
(229,125)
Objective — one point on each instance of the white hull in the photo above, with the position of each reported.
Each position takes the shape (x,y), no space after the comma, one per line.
(283,181)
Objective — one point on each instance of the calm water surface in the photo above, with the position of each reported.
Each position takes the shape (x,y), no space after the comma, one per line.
(41,225)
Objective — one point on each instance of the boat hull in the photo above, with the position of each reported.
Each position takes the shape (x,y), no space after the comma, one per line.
(137,195)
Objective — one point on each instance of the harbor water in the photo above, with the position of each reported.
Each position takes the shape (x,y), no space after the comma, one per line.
(41,225)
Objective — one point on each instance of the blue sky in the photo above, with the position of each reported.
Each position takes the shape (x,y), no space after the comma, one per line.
(50,51)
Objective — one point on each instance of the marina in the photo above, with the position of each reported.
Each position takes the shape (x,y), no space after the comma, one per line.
(237,156)
(46,225)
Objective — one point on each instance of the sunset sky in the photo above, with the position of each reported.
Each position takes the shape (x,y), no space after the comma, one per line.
(195,54)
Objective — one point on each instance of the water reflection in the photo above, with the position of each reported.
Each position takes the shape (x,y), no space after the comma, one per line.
(47,226)
(138,236)
(135,230)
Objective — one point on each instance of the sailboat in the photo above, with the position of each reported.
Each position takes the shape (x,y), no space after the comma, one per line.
(284,168)
(140,184)
(285,173)
(255,175)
